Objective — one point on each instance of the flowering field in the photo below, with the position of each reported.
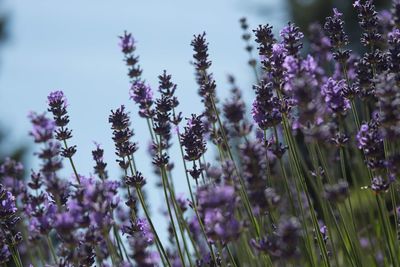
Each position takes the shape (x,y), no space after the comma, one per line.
(309,179)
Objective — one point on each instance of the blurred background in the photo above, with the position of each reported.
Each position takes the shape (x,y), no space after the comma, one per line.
(73,46)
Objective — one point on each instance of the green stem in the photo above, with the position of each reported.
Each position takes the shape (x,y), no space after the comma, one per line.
(231,256)
(163,174)
(53,253)
(142,202)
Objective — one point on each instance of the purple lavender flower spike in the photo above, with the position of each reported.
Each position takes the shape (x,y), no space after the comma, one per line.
(283,243)
(216,205)
(333,92)
(43,127)
(291,39)
(143,96)
(334,27)
(58,107)
(8,220)
(193,138)
(266,107)
(368,20)
(119,120)
(127,43)
(387,91)
(11,174)
(140,239)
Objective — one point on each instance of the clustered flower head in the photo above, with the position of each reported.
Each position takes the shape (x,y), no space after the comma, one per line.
(303,179)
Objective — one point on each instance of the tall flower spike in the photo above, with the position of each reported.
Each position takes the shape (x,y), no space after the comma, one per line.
(119,120)
(334,28)
(58,107)
(100,167)
(333,93)
(266,107)
(234,109)
(291,39)
(193,138)
(142,95)
(43,127)
(246,36)
(387,91)
(128,47)
(140,238)
(370,141)
(265,40)
(204,79)
(368,20)
(320,44)
(254,160)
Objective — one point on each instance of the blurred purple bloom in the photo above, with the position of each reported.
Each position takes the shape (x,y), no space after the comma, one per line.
(43,127)
(333,92)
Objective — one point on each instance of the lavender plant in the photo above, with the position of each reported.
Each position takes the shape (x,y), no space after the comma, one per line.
(311,179)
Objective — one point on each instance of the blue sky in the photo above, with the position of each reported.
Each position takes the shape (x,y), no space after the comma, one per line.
(72,46)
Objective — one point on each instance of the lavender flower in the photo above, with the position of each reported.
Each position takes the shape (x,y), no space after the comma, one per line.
(234,108)
(334,27)
(303,83)
(320,44)
(100,167)
(204,79)
(164,108)
(254,161)
(388,94)
(369,139)
(128,47)
(283,243)
(11,174)
(265,40)
(380,185)
(140,239)
(58,107)
(240,200)
(394,50)
(193,138)
(395,11)
(127,43)
(43,127)
(368,21)
(336,192)
(142,95)
(291,39)
(7,209)
(8,220)
(217,205)
(266,107)
(333,92)
(122,134)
